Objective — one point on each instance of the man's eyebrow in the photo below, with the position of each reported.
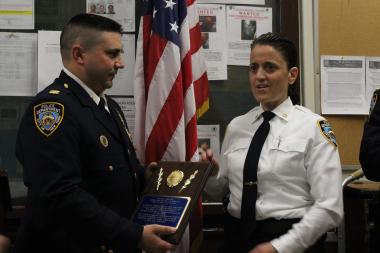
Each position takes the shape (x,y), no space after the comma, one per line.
(115,50)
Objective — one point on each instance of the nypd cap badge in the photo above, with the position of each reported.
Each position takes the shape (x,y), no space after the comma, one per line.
(48,116)
(327,132)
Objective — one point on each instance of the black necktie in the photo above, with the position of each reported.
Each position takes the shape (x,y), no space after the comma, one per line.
(102,107)
(248,204)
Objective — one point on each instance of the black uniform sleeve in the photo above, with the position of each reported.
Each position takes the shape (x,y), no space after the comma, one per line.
(52,172)
(2,218)
(370,145)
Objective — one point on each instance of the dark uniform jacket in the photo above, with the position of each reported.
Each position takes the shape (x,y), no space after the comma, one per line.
(370,146)
(82,174)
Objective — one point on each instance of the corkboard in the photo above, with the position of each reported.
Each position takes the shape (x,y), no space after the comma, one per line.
(349,27)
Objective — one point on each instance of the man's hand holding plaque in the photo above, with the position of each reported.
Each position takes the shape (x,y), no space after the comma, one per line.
(171,195)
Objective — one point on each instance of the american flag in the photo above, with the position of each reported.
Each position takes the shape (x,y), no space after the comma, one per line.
(171,85)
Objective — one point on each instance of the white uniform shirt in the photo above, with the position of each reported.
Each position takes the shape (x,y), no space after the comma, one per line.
(299,173)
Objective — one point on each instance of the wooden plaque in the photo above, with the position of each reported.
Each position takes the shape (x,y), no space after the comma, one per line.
(171,195)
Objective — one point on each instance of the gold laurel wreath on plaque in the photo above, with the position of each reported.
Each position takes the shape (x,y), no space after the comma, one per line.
(174,178)
(159,178)
(188,181)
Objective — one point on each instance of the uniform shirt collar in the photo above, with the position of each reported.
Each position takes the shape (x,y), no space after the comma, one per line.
(282,111)
(90,92)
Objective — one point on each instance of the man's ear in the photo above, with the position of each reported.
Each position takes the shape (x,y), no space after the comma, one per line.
(293,74)
(77,54)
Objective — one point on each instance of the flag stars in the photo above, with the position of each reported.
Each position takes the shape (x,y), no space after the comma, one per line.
(154,12)
(174,26)
(169,4)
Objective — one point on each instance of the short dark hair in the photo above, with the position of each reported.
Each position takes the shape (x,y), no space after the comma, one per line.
(282,44)
(82,27)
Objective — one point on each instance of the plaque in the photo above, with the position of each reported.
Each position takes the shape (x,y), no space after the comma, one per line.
(171,195)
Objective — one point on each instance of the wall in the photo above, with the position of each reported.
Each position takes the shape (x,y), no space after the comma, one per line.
(349,27)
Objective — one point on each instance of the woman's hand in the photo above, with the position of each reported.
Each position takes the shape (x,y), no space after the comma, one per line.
(206,155)
(5,244)
(264,248)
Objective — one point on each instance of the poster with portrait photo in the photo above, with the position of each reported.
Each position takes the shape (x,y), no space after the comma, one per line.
(212,22)
(205,40)
(207,23)
(244,23)
(122,11)
(208,138)
(248,29)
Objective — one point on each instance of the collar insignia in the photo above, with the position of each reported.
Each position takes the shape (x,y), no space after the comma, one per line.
(326,130)
(48,116)
(54,92)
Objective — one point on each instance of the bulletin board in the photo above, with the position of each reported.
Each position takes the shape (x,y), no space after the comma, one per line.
(349,27)
(228,98)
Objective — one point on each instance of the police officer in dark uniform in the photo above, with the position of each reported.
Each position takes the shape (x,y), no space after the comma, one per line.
(370,145)
(370,161)
(80,166)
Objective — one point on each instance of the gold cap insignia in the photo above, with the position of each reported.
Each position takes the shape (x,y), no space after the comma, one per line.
(103,140)
(174,178)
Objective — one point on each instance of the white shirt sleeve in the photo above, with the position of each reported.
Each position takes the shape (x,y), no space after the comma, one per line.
(323,167)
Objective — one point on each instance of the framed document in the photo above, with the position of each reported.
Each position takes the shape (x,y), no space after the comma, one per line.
(171,195)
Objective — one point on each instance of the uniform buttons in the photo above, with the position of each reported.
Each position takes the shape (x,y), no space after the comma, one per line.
(129,152)
(135,175)
(103,248)
(137,199)
(110,168)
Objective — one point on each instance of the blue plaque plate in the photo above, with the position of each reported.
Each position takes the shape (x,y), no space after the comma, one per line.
(162,210)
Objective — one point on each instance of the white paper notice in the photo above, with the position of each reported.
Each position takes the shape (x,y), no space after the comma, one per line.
(244,23)
(122,11)
(127,104)
(49,58)
(16,14)
(212,20)
(18,64)
(208,137)
(343,85)
(372,77)
(250,2)
(123,82)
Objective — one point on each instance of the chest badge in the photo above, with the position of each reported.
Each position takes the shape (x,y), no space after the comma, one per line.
(103,140)
(174,178)
(48,116)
